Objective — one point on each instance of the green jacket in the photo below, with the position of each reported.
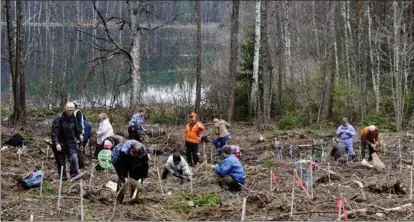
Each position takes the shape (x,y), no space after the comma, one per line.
(104,158)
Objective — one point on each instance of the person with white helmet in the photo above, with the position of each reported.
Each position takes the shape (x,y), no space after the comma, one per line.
(370,140)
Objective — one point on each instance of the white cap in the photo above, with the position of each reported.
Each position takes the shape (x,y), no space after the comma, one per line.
(371,128)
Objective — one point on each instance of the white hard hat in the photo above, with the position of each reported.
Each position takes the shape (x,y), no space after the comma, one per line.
(371,128)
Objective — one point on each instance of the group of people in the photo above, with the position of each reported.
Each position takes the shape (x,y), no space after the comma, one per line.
(129,157)
(369,141)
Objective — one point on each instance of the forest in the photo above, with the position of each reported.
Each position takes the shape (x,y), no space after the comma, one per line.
(286,71)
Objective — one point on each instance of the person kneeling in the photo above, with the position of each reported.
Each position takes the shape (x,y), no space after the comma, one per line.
(177,166)
(104,157)
(230,171)
(129,158)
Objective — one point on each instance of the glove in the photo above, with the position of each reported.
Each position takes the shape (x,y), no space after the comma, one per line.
(213,166)
(199,124)
(81,138)
(58,147)
(373,147)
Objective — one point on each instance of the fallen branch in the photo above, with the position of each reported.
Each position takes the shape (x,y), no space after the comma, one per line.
(79,176)
(364,210)
(309,212)
(398,208)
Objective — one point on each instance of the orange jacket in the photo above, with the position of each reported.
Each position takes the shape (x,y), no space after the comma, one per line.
(192,131)
(368,137)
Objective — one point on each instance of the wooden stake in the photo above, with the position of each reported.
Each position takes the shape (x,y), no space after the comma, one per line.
(205,157)
(340,210)
(81,199)
(19,152)
(60,187)
(155,159)
(399,149)
(90,178)
(211,155)
(293,193)
(329,174)
(168,138)
(47,152)
(300,166)
(191,183)
(243,209)
(311,177)
(411,181)
(159,180)
(271,181)
(41,182)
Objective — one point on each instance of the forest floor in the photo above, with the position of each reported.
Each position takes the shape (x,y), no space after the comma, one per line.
(381,195)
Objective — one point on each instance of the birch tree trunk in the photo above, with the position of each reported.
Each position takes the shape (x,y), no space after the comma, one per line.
(397,86)
(233,58)
(135,53)
(198,59)
(287,40)
(255,83)
(51,71)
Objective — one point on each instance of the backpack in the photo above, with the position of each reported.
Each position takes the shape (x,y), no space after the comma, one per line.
(33,179)
(16,140)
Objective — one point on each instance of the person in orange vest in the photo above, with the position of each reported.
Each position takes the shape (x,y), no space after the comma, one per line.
(192,139)
(370,140)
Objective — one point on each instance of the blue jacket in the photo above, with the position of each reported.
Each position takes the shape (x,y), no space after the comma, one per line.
(137,120)
(345,133)
(231,166)
(122,150)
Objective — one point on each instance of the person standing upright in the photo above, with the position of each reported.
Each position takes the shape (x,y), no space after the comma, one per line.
(192,139)
(65,138)
(84,130)
(344,133)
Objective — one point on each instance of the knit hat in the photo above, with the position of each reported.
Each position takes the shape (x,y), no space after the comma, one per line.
(371,128)
(107,145)
(344,121)
(70,106)
(176,158)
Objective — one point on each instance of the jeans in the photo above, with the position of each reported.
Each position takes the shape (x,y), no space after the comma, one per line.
(220,142)
(348,145)
(60,157)
(228,181)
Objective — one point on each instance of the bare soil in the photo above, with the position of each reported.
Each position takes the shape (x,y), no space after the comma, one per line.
(381,189)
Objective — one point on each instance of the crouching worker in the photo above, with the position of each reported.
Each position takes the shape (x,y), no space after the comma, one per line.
(230,171)
(129,158)
(177,166)
(370,141)
(104,157)
(338,152)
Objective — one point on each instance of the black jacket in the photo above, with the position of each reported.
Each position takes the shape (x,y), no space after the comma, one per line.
(65,131)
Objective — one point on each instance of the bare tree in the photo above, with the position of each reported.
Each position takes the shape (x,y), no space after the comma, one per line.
(255,84)
(198,59)
(233,58)
(16,60)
